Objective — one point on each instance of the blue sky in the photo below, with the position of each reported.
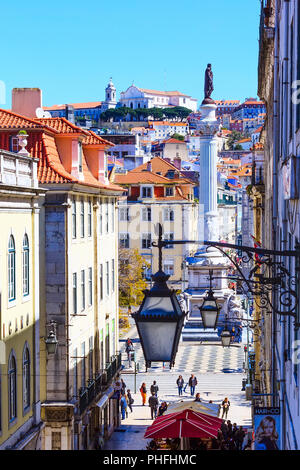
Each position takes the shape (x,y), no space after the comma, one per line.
(69,49)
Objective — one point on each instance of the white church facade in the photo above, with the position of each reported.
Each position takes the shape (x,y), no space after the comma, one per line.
(135,97)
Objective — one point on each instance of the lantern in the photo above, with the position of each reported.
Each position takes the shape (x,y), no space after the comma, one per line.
(159,322)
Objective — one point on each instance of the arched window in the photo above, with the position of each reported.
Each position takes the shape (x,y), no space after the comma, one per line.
(26,377)
(12,387)
(25,265)
(11,269)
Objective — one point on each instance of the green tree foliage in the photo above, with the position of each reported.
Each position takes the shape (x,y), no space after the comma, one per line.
(141,114)
(177,136)
(131,281)
(233,138)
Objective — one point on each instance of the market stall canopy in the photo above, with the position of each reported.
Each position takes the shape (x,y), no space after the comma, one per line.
(186,423)
(202,407)
(206,420)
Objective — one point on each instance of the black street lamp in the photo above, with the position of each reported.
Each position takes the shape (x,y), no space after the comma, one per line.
(209,309)
(225,337)
(159,320)
(51,340)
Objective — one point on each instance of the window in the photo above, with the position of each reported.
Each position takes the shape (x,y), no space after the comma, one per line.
(80,157)
(112,216)
(82,359)
(106,217)
(169,191)
(89,219)
(74,293)
(101,217)
(91,348)
(113,275)
(75,372)
(74,232)
(90,286)
(169,215)
(101,281)
(146,192)
(169,236)
(12,388)
(146,240)
(11,269)
(26,378)
(169,267)
(124,214)
(25,265)
(124,240)
(107,277)
(82,289)
(146,214)
(82,218)
(147,272)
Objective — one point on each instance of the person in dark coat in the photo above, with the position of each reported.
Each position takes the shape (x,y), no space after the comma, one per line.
(224,429)
(180,383)
(192,384)
(153,403)
(225,406)
(130,400)
(239,438)
(154,388)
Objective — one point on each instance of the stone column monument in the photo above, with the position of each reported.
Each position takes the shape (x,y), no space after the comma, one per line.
(205,258)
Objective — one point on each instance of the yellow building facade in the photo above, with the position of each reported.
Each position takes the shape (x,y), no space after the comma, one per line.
(20,422)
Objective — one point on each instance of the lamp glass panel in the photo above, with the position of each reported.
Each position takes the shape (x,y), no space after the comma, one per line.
(157,306)
(158,339)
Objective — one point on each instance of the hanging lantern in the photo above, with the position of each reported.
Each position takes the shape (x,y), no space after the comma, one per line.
(159,322)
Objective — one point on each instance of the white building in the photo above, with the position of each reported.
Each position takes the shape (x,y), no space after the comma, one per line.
(135,97)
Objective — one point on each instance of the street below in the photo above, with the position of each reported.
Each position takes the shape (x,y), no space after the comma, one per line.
(219,373)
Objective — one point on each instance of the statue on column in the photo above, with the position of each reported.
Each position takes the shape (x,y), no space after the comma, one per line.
(208,86)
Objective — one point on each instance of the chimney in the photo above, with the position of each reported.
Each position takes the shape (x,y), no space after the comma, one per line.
(26,100)
(177,163)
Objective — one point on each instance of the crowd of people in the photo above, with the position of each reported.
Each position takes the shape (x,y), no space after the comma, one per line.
(230,436)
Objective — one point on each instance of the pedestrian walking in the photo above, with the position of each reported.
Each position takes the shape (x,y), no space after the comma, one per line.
(118,387)
(143,391)
(229,424)
(180,383)
(129,350)
(239,438)
(192,384)
(123,386)
(130,400)
(153,403)
(123,404)
(154,388)
(225,406)
(224,430)
(197,397)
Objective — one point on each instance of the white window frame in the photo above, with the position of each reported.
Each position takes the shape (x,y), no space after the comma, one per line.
(122,236)
(146,188)
(148,238)
(145,214)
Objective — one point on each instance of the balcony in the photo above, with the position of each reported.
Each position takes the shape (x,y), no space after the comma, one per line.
(96,386)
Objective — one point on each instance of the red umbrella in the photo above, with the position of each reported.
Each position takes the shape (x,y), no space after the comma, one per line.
(172,428)
(205,419)
(187,423)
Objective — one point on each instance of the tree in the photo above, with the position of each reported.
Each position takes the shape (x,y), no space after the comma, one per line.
(233,138)
(177,136)
(131,281)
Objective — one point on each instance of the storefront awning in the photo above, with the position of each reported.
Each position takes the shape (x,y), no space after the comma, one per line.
(104,399)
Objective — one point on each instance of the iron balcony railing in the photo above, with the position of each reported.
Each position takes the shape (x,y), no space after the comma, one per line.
(96,386)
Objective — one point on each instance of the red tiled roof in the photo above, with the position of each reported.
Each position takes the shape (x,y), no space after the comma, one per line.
(10,120)
(173,141)
(62,125)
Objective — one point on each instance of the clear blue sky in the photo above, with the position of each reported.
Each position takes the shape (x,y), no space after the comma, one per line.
(69,49)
